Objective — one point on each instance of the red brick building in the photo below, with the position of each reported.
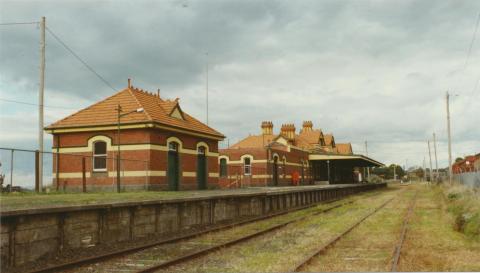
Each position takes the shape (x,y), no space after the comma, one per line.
(470,163)
(161,146)
(280,159)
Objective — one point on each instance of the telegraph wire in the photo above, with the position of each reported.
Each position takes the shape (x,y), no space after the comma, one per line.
(18,23)
(35,104)
(472,42)
(80,59)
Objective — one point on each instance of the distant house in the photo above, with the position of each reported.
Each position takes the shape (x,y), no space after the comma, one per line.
(470,163)
(288,158)
(161,146)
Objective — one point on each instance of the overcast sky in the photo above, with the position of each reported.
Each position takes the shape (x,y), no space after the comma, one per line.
(362,70)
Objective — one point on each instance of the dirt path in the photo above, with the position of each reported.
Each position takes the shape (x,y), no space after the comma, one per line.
(432,244)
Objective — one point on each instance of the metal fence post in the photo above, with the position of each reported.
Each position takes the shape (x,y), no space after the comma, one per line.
(84,178)
(11,170)
(37,171)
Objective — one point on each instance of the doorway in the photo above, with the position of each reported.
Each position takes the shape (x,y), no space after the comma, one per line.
(173,167)
(201,168)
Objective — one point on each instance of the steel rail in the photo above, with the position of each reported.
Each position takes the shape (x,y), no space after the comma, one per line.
(398,247)
(102,257)
(331,242)
(208,250)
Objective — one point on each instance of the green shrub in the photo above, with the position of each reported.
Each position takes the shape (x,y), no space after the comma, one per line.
(472,226)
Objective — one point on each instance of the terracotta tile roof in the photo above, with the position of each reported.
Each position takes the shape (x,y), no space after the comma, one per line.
(308,139)
(344,148)
(156,110)
(254,141)
(329,140)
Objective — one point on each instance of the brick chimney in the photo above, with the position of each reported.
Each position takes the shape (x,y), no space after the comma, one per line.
(307,126)
(288,131)
(267,128)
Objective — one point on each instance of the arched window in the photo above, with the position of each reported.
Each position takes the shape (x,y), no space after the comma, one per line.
(247,166)
(223,167)
(100,156)
(201,150)
(284,163)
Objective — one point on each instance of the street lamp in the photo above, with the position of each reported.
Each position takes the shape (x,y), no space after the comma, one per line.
(119,115)
(328,171)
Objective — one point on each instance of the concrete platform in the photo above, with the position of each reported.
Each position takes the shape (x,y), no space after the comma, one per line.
(29,234)
(43,203)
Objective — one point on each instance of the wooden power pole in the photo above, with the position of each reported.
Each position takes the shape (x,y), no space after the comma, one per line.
(40,104)
(449,140)
(206,72)
(436,160)
(430,155)
(368,168)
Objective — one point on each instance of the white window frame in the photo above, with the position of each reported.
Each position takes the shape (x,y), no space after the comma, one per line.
(247,168)
(95,156)
(177,146)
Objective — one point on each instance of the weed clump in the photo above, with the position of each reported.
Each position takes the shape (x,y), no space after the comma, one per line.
(463,204)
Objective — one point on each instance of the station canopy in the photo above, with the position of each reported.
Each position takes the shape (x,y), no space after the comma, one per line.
(346,160)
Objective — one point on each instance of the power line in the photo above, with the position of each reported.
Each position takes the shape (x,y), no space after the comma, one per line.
(472,41)
(80,59)
(18,23)
(34,104)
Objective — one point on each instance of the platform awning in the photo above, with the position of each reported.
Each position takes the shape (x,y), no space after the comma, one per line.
(352,160)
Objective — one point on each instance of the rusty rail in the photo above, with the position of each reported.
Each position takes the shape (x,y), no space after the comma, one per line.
(330,243)
(398,247)
(89,260)
(208,250)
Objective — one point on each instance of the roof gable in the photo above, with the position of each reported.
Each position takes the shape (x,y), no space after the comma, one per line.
(177,112)
(156,110)
(282,140)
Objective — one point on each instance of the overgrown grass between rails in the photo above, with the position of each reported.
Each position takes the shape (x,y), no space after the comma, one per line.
(463,203)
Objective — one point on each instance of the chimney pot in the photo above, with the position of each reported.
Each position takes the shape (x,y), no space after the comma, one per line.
(129,83)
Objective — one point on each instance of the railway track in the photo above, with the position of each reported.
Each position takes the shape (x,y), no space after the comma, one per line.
(398,247)
(396,256)
(124,252)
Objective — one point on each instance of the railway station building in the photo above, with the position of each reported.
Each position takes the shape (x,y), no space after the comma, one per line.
(290,158)
(159,145)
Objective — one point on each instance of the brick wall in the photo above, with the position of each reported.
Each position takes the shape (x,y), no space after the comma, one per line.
(142,168)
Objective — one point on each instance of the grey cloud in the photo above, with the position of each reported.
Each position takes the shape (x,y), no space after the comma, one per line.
(360,69)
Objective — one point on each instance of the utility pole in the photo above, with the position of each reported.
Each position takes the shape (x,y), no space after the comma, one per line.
(394,172)
(424,170)
(368,168)
(119,115)
(430,155)
(449,140)
(436,160)
(40,103)
(207,85)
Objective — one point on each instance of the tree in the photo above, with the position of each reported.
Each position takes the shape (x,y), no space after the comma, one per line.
(458,159)
(387,172)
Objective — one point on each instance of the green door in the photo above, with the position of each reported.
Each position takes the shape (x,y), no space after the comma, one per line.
(201,169)
(173,167)
(275,171)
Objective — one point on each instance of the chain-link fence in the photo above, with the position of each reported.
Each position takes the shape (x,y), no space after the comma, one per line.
(20,170)
(471,179)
